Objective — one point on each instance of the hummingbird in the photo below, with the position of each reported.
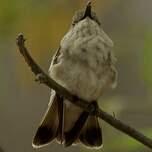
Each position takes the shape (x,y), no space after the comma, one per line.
(84,64)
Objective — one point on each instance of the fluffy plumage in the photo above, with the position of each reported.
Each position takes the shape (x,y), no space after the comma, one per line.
(86,62)
(85,65)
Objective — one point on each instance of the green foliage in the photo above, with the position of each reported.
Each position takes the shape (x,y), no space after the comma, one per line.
(127,143)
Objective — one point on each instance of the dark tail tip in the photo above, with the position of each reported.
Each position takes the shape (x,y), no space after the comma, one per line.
(93,137)
(42,137)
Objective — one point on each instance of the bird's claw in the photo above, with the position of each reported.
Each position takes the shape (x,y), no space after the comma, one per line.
(93,108)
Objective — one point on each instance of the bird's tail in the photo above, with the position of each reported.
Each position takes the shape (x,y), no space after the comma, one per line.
(51,123)
(91,133)
(85,130)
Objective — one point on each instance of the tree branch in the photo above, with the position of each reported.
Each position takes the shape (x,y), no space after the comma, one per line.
(45,79)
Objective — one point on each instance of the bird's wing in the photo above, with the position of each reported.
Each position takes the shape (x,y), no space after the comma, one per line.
(55,58)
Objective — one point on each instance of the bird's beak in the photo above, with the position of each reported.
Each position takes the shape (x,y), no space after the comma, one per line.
(88,11)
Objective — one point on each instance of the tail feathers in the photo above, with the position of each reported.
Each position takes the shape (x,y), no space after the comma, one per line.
(48,128)
(73,134)
(85,130)
(91,133)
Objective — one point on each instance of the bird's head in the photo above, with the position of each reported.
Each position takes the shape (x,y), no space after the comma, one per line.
(84,14)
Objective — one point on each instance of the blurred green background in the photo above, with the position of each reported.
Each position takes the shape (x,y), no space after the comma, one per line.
(23,101)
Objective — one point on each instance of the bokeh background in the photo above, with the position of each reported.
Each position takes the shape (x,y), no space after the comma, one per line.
(23,101)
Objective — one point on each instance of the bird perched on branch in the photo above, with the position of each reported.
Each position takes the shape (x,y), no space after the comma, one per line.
(85,65)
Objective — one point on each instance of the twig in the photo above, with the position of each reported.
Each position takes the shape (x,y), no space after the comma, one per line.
(45,79)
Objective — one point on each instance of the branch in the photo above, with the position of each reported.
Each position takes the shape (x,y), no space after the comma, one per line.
(45,79)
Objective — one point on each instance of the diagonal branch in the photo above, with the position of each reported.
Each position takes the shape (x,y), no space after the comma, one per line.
(45,79)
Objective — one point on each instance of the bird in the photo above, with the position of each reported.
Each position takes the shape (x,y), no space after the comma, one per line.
(85,65)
